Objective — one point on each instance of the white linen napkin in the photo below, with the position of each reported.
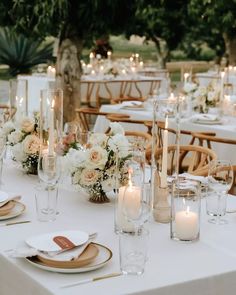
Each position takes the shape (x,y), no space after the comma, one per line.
(67,255)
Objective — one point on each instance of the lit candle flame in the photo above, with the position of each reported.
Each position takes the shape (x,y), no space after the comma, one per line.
(53,104)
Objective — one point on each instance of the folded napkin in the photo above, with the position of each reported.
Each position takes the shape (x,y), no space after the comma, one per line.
(205,117)
(67,255)
(133,103)
(7,197)
(202,179)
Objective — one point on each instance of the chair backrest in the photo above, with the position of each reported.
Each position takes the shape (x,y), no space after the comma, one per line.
(196,159)
(122,90)
(6,113)
(141,140)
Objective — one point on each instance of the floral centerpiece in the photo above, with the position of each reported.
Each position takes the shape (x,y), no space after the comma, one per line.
(96,169)
(25,143)
(114,68)
(203,97)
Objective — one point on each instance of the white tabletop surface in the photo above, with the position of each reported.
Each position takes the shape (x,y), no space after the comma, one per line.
(227,128)
(206,267)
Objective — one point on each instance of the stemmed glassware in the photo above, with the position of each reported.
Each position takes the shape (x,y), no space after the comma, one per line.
(220,180)
(137,205)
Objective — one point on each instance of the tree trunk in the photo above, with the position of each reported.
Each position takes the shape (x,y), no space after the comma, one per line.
(69,74)
(230,45)
(162,51)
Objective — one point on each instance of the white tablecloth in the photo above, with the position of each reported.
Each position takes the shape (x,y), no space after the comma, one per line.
(225,130)
(207,267)
(35,84)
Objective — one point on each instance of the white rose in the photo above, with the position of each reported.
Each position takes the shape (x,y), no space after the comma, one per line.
(8,127)
(108,184)
(88,177)
(96,157)
(15,137)
(31,144)
(211,96)
(18,153)
(76,158)
(116,128)
(119,144)
(190,87)
(98,139)
(27,124)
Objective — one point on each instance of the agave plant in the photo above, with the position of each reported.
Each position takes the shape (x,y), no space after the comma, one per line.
(21,53)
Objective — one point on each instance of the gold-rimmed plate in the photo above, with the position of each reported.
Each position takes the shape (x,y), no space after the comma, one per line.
(15,211)
(103,257)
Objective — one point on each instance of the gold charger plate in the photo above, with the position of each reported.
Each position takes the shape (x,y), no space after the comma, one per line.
(85,258)
(103,257)
(4,210)
(17,210)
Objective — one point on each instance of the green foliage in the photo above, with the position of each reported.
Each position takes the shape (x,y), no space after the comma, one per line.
(21,53)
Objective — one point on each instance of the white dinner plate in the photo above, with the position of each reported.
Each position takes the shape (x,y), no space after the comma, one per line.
(104,256)
(45,242)
(18,209)
(207,122)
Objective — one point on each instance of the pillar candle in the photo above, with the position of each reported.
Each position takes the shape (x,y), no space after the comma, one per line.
(186,224)
(122,222)
(51,72)
(132,201)
(164,156)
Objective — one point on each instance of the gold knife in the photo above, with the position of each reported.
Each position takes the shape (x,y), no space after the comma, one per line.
(107,276)
(16,222)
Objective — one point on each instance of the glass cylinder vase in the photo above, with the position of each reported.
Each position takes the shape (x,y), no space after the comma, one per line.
(185,210)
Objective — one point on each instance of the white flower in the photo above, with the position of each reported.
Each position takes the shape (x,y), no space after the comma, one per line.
(98,139)
(108,184)
(27,124)
(15,137)
(18,153)
(116,128)
(76,159)
(119,144)
(88,177)
(31,144)
(8,127)
(190,87)
(211,96)
(96,157)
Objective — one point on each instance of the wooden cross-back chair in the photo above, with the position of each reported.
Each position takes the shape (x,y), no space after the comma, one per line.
(125,90)
(198,159)
(84,116)
(6,113)
(209,141)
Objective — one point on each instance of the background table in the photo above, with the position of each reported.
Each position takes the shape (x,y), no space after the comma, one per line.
(207,267)
(225,130)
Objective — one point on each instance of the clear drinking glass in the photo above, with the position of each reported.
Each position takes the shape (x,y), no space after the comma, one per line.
(133,251)
(220,180)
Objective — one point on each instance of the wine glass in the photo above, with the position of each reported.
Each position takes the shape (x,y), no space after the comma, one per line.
(137,204)
(49,168)
(220,180)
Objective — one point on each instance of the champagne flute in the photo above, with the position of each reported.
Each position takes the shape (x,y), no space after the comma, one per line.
(220,180)
(137,204)
(49,168)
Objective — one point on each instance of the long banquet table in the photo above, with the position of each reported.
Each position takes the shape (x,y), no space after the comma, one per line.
(207,267)
(225,130)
